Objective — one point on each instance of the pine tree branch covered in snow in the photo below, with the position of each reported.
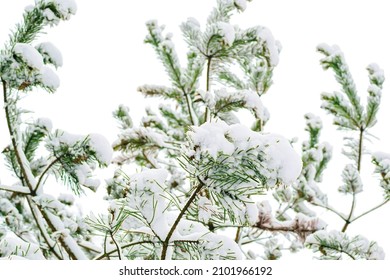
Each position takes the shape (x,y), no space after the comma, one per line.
(42,226)
(190,181)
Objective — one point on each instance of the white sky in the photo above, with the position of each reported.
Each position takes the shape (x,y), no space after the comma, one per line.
(105,60)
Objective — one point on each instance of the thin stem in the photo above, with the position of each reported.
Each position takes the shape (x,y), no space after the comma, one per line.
(208,70)
(118,248)
(238,235)
(13,137)
(106,254)
(105,247)
(191,111)
(50,243)
(148,160)
(331,210)
(359,160)
(44,173)
(360,152)
(178,219)
(287,208)
(369,211)
(348,221)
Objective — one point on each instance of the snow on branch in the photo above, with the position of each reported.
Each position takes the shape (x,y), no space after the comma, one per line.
(352,181)
(75,156)
(15,189)
(335,245)
(300,225)
(381,161)
(224,101)
(236,163)
(350,110)
(377,78)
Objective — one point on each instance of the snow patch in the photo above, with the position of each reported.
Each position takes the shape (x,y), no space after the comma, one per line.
(15,248)
(29,55)
(211,137)
(240,5)
(102,148)
(227,32)
(273,46)
(51,54)
(49,78)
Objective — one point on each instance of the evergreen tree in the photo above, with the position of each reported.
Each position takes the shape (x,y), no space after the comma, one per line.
(204,178)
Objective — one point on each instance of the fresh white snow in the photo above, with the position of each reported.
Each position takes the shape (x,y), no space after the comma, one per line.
(49,78)
(240,4)
(51,53)
(102,148)
(29,55)
(227,32)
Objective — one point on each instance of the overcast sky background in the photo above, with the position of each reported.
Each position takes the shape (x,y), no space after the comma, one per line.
(105,60)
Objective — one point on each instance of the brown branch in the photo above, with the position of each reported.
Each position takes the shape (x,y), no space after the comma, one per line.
(178,219)
(208,70)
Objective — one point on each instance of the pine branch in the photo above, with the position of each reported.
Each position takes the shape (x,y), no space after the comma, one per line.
(68,243)
(26,173)
(47,169)
(377,79)
(42,228)
(179,217)
(28,30)
(334,59)
(168,56)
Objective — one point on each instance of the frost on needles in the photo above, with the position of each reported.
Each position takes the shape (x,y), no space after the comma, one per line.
(35,224)
(191,180)
(217,167)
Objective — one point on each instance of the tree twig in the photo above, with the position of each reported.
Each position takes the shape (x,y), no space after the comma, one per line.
(19,157)
(50,243)
(106,254)
(208,73)
(44,173)
(359,160)
(15,189)
(179,217)
(369,211)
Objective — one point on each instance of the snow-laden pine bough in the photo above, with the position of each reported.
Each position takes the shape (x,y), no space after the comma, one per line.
(206,184)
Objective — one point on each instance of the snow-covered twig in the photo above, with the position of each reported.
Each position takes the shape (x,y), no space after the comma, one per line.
(15,189)
(18,152)
(53,246)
